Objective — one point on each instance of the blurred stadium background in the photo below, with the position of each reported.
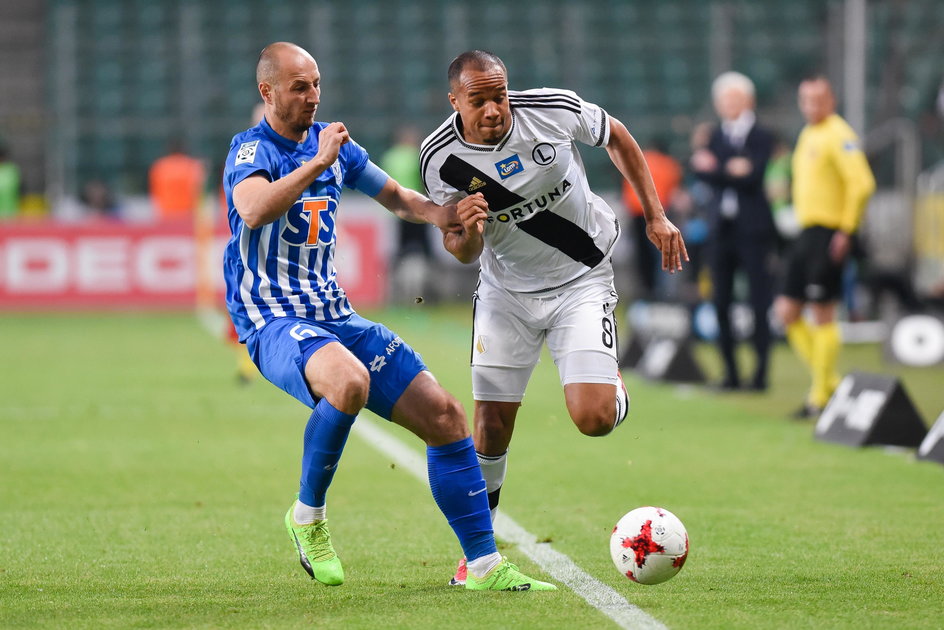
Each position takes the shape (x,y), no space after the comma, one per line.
(95,90)
(130,424)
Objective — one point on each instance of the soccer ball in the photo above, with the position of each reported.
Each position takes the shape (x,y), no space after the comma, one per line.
(649,545)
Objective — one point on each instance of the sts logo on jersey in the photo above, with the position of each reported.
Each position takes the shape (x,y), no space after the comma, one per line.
(310,221)
(509,166)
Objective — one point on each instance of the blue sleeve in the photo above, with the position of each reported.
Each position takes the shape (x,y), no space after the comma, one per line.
(246,158)
(371,180)
(354,159)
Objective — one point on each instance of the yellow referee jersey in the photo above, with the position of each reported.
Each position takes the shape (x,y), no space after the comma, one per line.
(831,177)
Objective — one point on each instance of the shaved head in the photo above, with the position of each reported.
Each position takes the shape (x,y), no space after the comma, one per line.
(475,60)
(290,86)
(273,58)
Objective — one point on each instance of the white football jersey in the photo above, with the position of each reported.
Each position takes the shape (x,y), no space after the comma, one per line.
(545,226)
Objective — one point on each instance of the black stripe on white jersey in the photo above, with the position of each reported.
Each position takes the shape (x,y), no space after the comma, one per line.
(427,144)
(549,228)
(529,105)
(435,145)
(549,100)
(563,235)
(546,99)
(603,125)
(541,97)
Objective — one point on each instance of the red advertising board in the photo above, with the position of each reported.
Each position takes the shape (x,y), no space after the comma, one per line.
(104,265)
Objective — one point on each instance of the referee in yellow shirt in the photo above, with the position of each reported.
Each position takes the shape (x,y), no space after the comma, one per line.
(832,182)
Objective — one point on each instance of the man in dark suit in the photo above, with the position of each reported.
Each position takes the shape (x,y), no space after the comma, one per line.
(742,226)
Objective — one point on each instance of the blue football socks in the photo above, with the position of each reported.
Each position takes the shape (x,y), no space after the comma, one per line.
(325,437)
(459,490)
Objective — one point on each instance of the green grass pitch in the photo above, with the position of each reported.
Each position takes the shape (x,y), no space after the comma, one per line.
(141,487)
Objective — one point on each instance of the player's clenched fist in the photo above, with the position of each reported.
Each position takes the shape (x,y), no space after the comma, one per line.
(330,140)
(473,212)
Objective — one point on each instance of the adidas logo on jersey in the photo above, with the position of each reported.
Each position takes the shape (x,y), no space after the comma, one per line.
(475,184)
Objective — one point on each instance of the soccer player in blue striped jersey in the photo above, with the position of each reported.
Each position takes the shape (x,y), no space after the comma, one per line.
(283,181)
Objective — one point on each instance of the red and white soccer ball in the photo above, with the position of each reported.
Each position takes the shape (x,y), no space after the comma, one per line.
(649,545)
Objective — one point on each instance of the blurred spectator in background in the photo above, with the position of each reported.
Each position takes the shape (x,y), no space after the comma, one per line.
(98,201)
(777,180)
(9,185)
(691,205)
(741,227)
(411,262)
(832,182)
(176,183)
(667,176)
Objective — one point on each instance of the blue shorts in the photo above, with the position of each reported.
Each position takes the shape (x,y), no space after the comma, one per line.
(282,347)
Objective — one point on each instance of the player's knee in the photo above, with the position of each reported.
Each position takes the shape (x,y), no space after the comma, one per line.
(349,388)
(595,422)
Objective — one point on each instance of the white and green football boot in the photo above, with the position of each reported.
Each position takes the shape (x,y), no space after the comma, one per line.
(317,556)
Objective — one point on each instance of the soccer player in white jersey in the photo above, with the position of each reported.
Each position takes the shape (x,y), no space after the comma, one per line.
(543,240)
(283,182)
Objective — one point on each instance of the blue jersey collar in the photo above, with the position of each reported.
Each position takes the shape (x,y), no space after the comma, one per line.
(284,142)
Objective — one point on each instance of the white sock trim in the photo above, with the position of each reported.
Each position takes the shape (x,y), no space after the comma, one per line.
(622,405)
(493,469)
(306,514)
(481,566)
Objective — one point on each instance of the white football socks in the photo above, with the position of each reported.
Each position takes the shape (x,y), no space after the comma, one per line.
(493,470)
(481,566)
(306,515)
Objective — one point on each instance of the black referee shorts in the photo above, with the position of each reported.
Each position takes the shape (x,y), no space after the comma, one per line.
(811,275)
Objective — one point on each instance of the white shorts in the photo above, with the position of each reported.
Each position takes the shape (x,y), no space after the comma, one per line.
(508,330)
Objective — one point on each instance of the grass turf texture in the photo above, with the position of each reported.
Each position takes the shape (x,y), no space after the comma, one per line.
(142,487)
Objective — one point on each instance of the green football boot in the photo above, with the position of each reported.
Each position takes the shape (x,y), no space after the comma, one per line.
(506,577)
(317,556)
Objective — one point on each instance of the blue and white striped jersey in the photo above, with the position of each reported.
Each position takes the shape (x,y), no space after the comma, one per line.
(286,268)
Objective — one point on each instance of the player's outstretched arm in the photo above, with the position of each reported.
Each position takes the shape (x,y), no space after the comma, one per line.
(466,240)
(628,158)
(411,206)
(260,202)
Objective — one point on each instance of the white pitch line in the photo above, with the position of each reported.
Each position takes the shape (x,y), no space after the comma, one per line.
(556,564)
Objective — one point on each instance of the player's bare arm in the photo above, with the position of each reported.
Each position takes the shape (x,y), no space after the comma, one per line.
(411,206)
(259,201)
(628,158)
(466,242)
